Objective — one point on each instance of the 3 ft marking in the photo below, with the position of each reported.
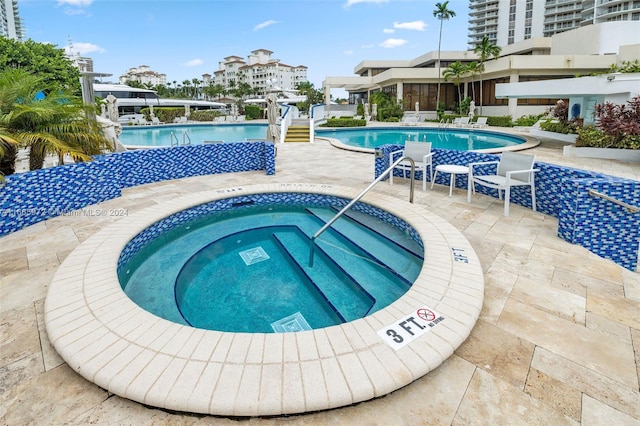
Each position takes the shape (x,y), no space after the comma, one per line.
(410,327)
(459,256)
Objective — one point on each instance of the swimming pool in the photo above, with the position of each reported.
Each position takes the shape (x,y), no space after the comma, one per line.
(111,341)
(153,136)
(447,138)
(363,137)
(244,266)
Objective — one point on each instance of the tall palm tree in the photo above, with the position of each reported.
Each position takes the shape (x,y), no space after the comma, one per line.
(443,14)
(472,69)
(485,50)
(58,124)
(455,70)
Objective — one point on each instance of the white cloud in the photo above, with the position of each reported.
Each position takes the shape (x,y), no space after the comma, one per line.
(76,3)
(348,52)
(388,31)
(264,24)
(194,62)
(414,25)
(350,3)
(83,49)
(393,42)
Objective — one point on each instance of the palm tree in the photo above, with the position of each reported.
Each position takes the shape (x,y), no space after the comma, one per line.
(58,124)
(472,68)
(455,70)
(486,50)
(443,14)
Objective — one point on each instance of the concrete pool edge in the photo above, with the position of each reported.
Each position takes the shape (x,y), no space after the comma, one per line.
(110,341)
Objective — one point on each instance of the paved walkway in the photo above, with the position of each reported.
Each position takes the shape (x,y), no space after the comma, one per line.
(557,342)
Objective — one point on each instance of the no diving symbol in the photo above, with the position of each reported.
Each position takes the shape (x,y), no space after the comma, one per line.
(426,314)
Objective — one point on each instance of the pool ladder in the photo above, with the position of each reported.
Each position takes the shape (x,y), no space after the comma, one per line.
(312,242)
(186,140)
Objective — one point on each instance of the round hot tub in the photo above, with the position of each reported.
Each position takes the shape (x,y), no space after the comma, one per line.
(361,349)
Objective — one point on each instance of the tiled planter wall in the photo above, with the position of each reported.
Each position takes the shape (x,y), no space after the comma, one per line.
(28,198)
(601,226)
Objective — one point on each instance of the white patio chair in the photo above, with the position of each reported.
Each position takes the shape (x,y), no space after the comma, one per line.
(513,170)
(480,122)
(420,153)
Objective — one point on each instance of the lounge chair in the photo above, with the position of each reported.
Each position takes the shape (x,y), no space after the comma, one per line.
(409,120)
(464,122)
(420,153)
(156,120)
(480,122)
(513,170)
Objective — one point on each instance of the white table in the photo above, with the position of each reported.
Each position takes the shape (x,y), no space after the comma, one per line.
(451,169)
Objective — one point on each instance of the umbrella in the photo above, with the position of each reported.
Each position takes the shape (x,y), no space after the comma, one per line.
(417,109)
(366,111)
(273,112)
(472,110)
(374,112)
(151,110)
(187,111)
(112,108)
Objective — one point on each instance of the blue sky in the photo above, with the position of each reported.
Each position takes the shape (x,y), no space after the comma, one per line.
(185,39)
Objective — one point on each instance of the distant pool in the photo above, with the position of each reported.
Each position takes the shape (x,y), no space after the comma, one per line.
(369,138)
(457,139)
(148,136)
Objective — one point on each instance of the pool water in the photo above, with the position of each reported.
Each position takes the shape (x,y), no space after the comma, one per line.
(456,139)
(247,269)
(198,133)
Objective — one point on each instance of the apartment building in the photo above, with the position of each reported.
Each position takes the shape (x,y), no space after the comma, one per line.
(144,75)
(10,22)
(506,22)
(562,56)
(259,70)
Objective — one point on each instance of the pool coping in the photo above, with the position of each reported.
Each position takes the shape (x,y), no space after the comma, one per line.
(109,340)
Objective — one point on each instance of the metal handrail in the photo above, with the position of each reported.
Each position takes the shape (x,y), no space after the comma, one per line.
(629,207)
(185,136)
(173,136)
(357,198)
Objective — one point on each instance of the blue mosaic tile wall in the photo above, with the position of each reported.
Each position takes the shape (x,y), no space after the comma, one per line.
(602,227)
(31,197)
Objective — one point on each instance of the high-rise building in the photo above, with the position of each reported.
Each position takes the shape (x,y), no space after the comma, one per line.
(260,71)
(507,22)
(10,22)
(144,75)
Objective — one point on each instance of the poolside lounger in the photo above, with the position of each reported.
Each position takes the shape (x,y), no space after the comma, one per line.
(480,122)
(420,153)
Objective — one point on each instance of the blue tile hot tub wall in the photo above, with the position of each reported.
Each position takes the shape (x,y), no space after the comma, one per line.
(601,226)
(31,197)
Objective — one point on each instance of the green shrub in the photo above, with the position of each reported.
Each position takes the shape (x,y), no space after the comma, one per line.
(590,136)
(501,121)
(528,120)
(338,122)
(252,112)
(391,120)
(346,117)
(558,127)
(204,115)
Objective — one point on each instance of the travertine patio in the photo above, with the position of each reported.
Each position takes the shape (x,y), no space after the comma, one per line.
(558,340)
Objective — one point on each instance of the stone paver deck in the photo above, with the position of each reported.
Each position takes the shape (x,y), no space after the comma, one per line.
(557,341)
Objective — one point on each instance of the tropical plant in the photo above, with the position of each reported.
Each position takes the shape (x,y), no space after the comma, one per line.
(388,109)
(625,67)
(46,119)
(485,50)
(473,68)
(455,71)
(443,14)
(50,63)
(314,96)
(619,121)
